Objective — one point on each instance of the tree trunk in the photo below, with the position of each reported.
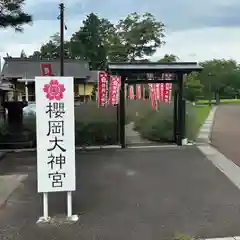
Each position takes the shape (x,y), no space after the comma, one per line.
(217,97)
(209,95)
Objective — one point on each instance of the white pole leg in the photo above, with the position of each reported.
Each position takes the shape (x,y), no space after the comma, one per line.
(69,204)
(45,205)
(45,217)
(70,217)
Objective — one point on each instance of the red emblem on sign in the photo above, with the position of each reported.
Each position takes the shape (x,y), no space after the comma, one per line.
(54,90)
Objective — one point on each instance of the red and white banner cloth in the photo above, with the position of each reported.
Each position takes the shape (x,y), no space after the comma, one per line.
(138,91)
(114,89)
(131,92)
(102,88)
(157,90)
(167,93)
(46,69)
(167,87)
(160,92)
(153,95)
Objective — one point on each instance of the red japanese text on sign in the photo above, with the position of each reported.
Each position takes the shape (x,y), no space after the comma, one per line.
(114,90)
(102,88)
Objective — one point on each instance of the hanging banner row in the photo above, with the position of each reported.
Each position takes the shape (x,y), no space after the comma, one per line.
(108,91)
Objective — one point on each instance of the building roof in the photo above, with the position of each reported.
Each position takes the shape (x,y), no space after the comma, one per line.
(173,67)
(29,68)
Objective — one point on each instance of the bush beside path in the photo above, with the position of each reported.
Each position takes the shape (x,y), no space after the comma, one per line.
(99,126)
(158,125)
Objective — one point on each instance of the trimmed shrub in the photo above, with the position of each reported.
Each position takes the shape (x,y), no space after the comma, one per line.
(93,125)
(95,132)
(158,125)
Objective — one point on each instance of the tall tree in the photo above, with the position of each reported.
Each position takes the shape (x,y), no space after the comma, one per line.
(36,55)
(51,49)
(140,35)
(216,76)
(12,14)
(169,58)
(192,87)
(90,42)
(99,41)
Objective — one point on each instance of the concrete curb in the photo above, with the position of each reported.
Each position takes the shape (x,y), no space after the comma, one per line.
(204,135)
(8,184)
(224,238)
(225,165)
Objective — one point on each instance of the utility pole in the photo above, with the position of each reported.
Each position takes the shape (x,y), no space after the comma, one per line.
(61,39)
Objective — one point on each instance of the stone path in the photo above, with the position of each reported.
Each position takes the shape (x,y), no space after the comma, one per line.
(133,137)
(204,135)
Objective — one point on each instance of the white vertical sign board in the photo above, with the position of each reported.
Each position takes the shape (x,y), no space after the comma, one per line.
(55,134)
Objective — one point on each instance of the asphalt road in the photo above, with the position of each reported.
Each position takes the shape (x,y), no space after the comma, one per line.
(128,194)
(226,131)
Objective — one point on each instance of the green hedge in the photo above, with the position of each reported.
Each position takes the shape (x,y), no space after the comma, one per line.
(158,125)
(93,126)
(98,126)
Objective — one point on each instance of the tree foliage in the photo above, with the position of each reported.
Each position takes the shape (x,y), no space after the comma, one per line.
(216,75)
(136,38)
(52,48)
(12,14)
(140,35)
(192,87)
(89,42)
(168,58)
(100,41)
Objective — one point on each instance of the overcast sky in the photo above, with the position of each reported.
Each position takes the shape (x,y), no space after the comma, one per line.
(196,30)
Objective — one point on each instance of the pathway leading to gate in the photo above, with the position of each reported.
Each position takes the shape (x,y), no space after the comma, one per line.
(226,131)
(133,137)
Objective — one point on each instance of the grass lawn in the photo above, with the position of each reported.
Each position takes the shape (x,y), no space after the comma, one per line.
(221,101)
(201,114)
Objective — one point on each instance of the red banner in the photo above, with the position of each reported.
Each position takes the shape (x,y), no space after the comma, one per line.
(144,92)
(167,92)
(131,92)
(152,94)
(46,69)
(166,88)
(158,93)
(114,89)
(162,87)
(138,91)
(102,88)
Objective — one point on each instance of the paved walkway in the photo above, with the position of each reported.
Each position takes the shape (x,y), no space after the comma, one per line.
(133,137)
(135,194)
(226,131)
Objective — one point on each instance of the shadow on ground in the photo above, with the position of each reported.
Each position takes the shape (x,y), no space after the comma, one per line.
(135,194)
